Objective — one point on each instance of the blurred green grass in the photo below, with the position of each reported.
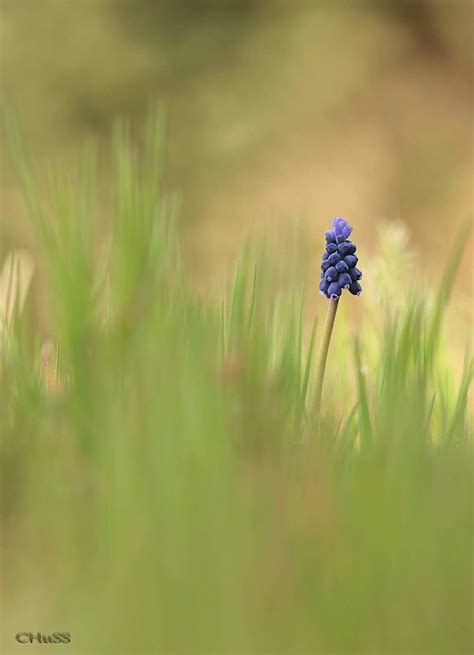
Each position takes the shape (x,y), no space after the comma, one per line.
(166,487)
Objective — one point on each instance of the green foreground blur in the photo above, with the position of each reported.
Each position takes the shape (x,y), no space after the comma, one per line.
(166,485)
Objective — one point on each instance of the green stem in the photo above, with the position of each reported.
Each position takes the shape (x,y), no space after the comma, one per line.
(323,355)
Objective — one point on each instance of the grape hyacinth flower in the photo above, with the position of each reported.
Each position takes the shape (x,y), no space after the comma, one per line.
(338,272)
(338,268)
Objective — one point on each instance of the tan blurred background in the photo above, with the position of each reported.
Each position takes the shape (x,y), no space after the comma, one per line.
(278,112)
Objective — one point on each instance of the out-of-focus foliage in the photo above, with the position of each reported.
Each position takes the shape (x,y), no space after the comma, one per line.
(166,485)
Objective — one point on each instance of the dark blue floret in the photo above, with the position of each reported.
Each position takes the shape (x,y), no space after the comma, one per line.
(346,248)
(331,273)
(334,290)
(351,260)
(339,262)
(344,280)
(342,267)
(355,274)
(355,289)
(323,286)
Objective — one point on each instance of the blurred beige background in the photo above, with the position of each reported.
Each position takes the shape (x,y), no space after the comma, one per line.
(278,112)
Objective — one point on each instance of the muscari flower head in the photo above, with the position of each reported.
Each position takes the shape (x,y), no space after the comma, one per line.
(338,267)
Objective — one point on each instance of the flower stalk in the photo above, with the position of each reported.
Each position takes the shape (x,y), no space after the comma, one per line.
(323,355)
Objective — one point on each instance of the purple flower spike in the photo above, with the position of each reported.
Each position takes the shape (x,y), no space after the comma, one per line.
(339,262)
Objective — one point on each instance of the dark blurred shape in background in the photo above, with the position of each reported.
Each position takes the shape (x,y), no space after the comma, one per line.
(276,110)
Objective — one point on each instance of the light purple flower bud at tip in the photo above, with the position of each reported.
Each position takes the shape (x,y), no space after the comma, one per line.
(341,229)
(331,274)
(344,280)
(346,231)
(334,290)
